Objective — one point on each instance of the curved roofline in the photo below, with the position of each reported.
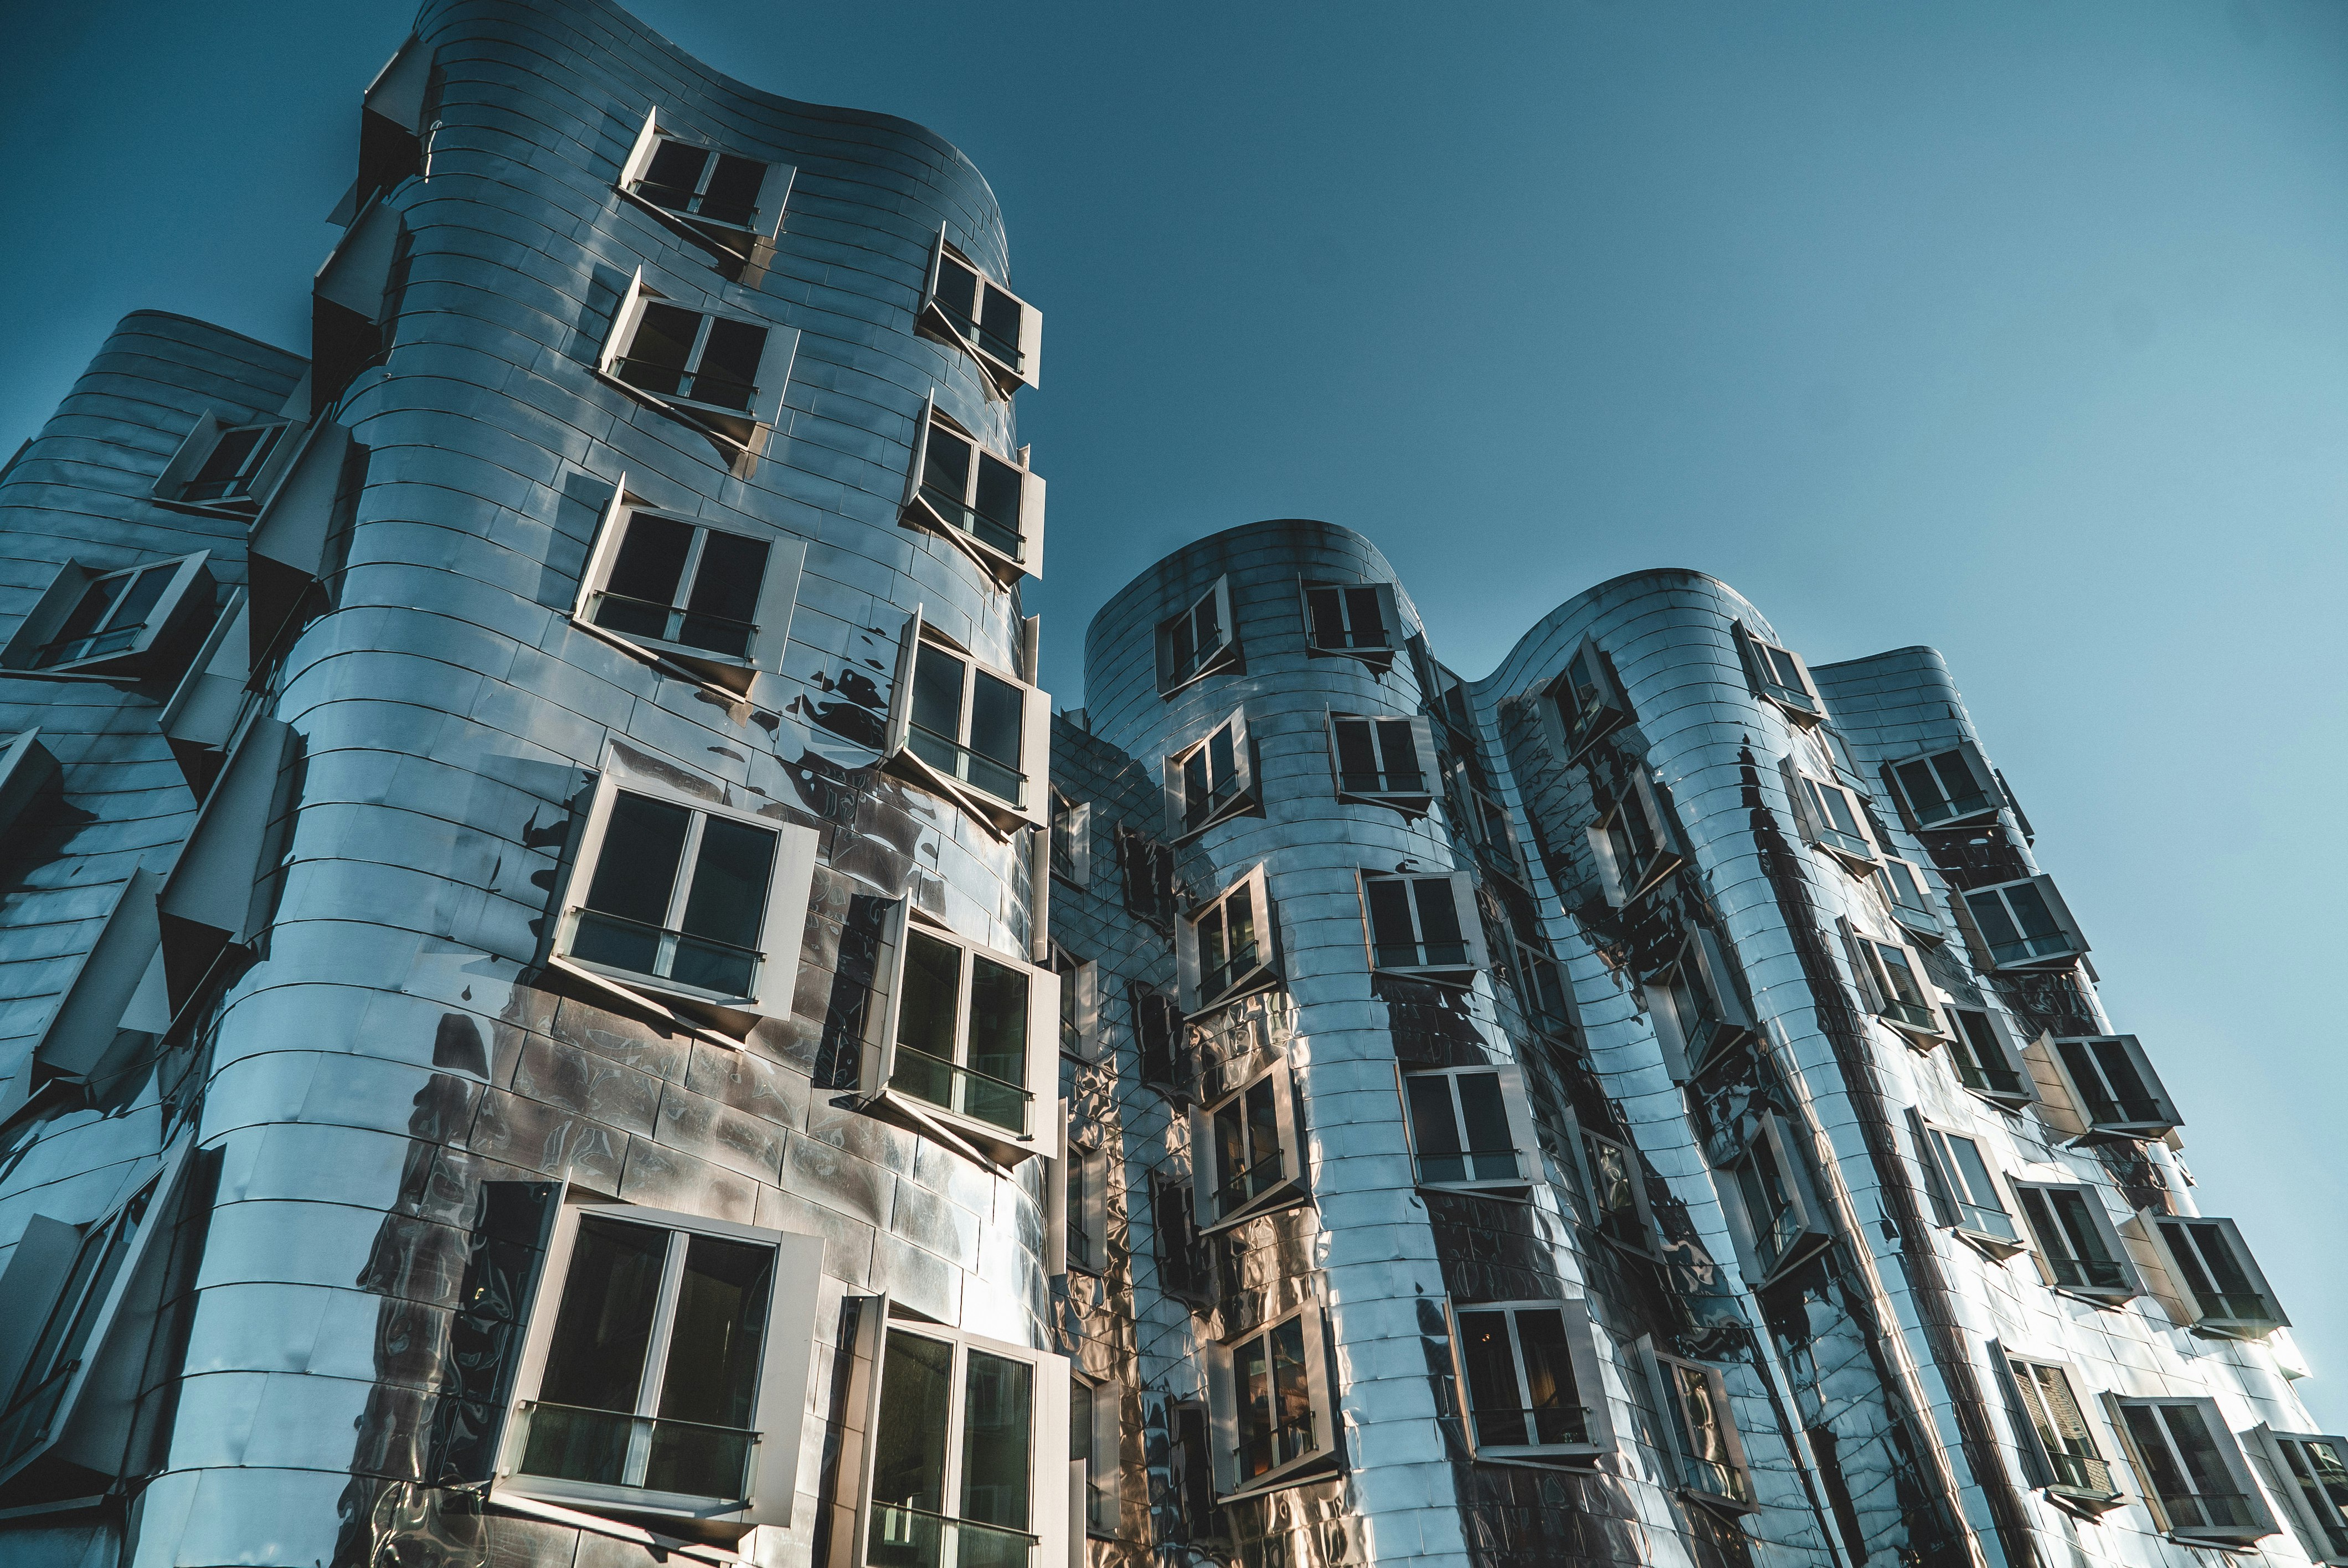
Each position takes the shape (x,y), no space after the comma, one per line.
(130,316)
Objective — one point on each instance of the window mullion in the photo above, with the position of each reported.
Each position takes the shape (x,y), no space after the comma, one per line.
(688,862)
(685,579)
(961,1042)
(648,1390)
(957,1385)
(700,344)
(1524,1378)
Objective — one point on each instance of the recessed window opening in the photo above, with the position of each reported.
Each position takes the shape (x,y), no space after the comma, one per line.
(2185,1469)
(1979,1056)
(1782,676)
(2207,1259)
(1346,619)
(1460,1129)
(969,488)
(109,617)
(1835,818)
(1379,756)
(1634,841)
(1901,996)
(1072,840)
(230,471)
(2078,1253)
(63,1339)
(1619,1205)
(1972,1192)
(986,316)
(1278,1421)
(1211,778)
(694,356)
(1249,1150)
(1703,1434)
(678,895)
(1523,1395)
(2078,1469)
(1543,991)
(1414,923)
(682,583)
(967,722)
(1588,702)
(2115,1086)
(2018,924)
(2315,1477)
(1196,642)
(699,182)
(961,1034)
(1945,787)
(1903,886)
(1770,1199)
(1228,947)
(954,1460)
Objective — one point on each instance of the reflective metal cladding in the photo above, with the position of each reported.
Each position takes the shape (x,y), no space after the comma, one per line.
(565,997)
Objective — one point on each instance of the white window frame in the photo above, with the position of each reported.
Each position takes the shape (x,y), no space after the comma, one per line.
(1286,1186)
(1003,817)
(1625,882)
(1961,1209)
(789,887)
(1462,888)
(2076,945)
(2183,1254)
(1700,957)
(1080,1013)
(2320,1517)
(1048,1503)
(1799,699)
(1801,1229)
(1984,801)
(1224,655)
(1920,919)
(1524,1146)
(781,1403)
(211,427)
(1724,1483)
(2131,1283)
(188,592)
(1072,833)
(1871,959)
(2072,1475)
(2261,1521)
(1529,961)
(957,1129)
(734,427)
(778,592)
(1224,1396)
(1604,1218)
(1381,656)
(1003,378)
(1812,800)
(1422,740)
(2164,1118)
(921,510)
(1101,1505)
(1187,962)
(1574,732)
(766,219)
(1964,1046)
(1598,1427)
(1240,797)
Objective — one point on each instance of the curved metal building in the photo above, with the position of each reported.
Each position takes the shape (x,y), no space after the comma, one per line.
(565,999)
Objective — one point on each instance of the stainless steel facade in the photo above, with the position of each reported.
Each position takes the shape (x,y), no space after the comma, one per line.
(1526,1119)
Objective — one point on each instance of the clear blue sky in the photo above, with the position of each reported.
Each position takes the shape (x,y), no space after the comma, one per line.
(2020,330)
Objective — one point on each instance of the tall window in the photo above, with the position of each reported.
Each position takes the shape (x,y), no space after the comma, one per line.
(1225,947)
(961,1032)
(1779,674)
(715,599)
(1382,759)
(1072,840)
(2227,1289)
(1423,925)
(1148,872)
(1617,1191)
(1080,1030)
(1273,1403)
(989,506)
(1184,1270)
(1894,983)
(2114,1087)
(2074,1242)
(1094,1436)
(955,1467)
(981,732)
(1469,1128)
(1983,1058)
(1586,700)
(1524,1366)
(2075,1467)
(1158,1041)
(2314,1471)
(2188,1462)
(1540,990)
(1211,779)
(1634,845)
(1696,1009)
(1199,641)
(1355,619)
(2024,924)
(1244,1150)
(1901,883)
(1947,787)
(1783,1221)
(1088,1209)
(1970,1191)
(1001,330)
(1708,1451)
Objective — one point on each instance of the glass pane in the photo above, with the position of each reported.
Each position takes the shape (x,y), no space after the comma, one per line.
(596,1360)
(1401,752)
(672,175)
(1609,1179)
(1997,928)
(2204,1467)
(997,1411)
(2131,1096)
(1080,1424)
(996,519)
(1230,1159)
(1776,1218)
(998,1044)
(721,611)
(1222,763)
(2037,921)
(83,620)
(225,465)
(1391,932)
(636,873)
(1439,922)
(1434,1129)
(1358,760)
(1239,918)
(1555,1404)
(945,473)
(2094,1265)
(1964,793)
(1251,1369)
(2161,1470)
(709,1388)
(908,1461)
(938,678)
(728,374)
(1369,626)
(1494,1396)
(1924,793)
(995,710)
(732,193)
(926,1005)
(1263,1139)
(1485,1117)
(1328,608)
(1292,1393)
(1198,794)
(998,328)
(645,572)
(1206,626)
(656,356)
(957,294)
(726,907)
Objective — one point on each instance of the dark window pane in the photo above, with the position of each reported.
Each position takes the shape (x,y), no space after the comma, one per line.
(726,907)
(926,1006)
(997,519)
(1439,922)
(1264,1139)
(636,873)
(1548,1378)
(1494,1396)
(1328,608)
(722,610)
(998,1044)
(937,708)
(998,1409)
(1400,750)
(732,194)
(596,1361)
(1358,760)
(945,472)
(712,1376)
(1369,626)
(1485,1116)
(1390,926)
(657,354)
(909,1461)
(645,572)
(728,372)
(998,329)
(957,295)
(1434,1129)
(996,708)
(673,173)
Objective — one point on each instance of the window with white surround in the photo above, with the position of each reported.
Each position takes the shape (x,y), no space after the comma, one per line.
(1471,1129)
(996,327)
(720,198)
(716,600)
(965,1464)
(1356,621)
(1703,1445)
(1072,840)
(2077,1248)
(1907,897)
(2113,1086)
(2194,1475)
(2218,1282)
(1528,1372)
(1386,760)
(2311,1477)
(130,621)
(1585,701)
(2055,1436)
(1892,981)
(1779,674)
(2024,925)
(1199,641)
(1983,1054)
(1080,1020)
(1770,1193)
(665,1367)
(1540,990)
(1094,1441)
(1633,840)
(724,375)
(1211,779)
(228,467)
(691,896)
(1697,1009)
(1274,1418)
(977,732)
(1227,947)
(1947,787)
(1830,817)
(1968,1193)
(1617,1190)
(990,507)
(1246,1156)
(1424,926)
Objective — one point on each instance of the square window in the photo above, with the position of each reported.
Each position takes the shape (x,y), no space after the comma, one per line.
(1778,673)
(955,1039)
(1245,1156)
(1780,1219)
(1949,788)
(1072,840)
(1831,817)
(1443,694)
(2212,1276)
(1907,897)
(2024,924)
(2077,1248)
(2113,1088)
(1705,1447)
(1274,1416)
(1471,1129)
(1423,926)
(1391,761)
(1227,946)
(665,1370)
(989,507)
(723,200)
(716,600)
(1697,1009)
(225,467)
(2193,1472)
(1199,641)
(964,307)
(1981,1050)
(2311,1472)
(1212,780)
(1632,839)
(970,731)
(1965,1190)
(1892,982)
(723,374)
(1584,702)
(1354,620)
(138,620)
(2055,1437)
(1529,1374)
